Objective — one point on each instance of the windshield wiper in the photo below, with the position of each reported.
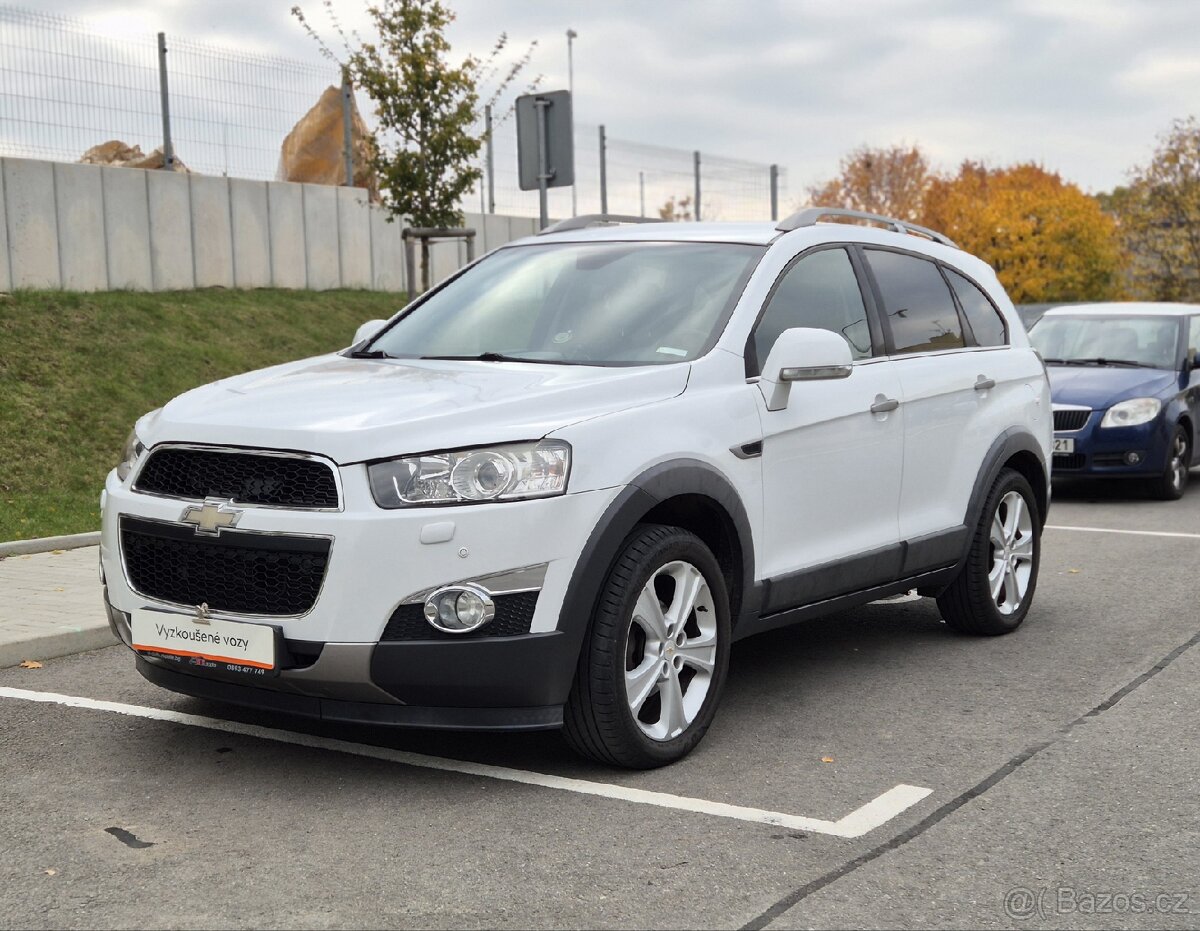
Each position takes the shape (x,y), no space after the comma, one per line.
(1104,361)
(497,357)
(369,354)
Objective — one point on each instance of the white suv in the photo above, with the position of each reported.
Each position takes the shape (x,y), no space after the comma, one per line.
(555,489)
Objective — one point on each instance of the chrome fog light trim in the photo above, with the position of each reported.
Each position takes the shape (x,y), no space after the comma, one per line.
(508,582)
(459,609)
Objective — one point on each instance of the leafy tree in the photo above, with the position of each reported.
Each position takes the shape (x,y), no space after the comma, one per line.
(428,139)
(1158,217)
(891,181)
(1046,239)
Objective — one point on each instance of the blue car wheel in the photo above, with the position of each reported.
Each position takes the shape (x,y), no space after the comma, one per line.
(1170,485)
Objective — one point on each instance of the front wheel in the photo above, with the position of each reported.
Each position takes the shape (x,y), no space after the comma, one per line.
(992,593)
(654,663)
(1171,484)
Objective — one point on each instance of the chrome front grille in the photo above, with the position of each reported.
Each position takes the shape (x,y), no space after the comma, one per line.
(1067,420)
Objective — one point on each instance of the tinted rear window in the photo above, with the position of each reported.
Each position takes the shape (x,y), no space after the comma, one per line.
(916,302)
(983,318)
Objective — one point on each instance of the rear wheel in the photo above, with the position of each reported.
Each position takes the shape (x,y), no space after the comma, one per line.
(992,593)
(653,667)
(1171,484)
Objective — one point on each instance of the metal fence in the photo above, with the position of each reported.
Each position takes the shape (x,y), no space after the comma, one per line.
(637,180)
(65,89)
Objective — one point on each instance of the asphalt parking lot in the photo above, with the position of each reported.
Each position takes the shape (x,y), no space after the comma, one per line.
(1053,776)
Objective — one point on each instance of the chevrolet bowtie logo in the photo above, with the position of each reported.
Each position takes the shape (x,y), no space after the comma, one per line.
(211,517)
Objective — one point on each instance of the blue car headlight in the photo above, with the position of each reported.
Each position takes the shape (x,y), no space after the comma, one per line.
(1132,412)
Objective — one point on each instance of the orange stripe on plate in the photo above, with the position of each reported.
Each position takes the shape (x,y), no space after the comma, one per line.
(221,659)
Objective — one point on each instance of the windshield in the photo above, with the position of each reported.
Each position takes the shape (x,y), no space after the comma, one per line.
(589,304)
(1108,340)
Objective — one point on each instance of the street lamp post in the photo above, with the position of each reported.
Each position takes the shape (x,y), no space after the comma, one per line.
(571,36)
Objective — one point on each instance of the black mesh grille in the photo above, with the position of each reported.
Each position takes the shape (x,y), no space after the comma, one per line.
(1070,420)
(242,573)
(1068,462)
(514,614)
(247,478)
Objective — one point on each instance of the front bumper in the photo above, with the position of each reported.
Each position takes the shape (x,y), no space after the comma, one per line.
(1102,452)
(339,665)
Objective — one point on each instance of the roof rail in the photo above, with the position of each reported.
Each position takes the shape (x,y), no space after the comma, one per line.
(811,215)
(595,219)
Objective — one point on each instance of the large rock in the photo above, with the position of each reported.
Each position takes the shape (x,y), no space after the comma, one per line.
(312,151)
(119,155)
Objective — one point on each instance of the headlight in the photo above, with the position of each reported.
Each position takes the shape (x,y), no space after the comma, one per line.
(129,455)
(498,473)
(1132,412)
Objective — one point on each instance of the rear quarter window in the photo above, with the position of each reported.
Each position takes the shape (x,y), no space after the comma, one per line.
(982,316)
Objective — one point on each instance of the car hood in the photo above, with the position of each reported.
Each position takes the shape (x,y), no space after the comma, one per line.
(1101,386)
(357,409)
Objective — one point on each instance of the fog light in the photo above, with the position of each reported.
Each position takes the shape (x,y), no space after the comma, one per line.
(459,609)
(1133,458)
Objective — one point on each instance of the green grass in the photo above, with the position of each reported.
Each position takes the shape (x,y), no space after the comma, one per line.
(76,370)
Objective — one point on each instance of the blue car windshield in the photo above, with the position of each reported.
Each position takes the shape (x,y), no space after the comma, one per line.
(1099,340)
(618,303)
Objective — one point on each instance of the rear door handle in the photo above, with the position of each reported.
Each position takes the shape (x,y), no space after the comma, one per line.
(983,384)
(882,405)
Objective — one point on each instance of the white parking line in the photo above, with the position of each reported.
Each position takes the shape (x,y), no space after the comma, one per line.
(857,823)
(1138,533)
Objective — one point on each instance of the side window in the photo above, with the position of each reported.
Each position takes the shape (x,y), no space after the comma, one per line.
(982,315)
(820,291)
(916,301)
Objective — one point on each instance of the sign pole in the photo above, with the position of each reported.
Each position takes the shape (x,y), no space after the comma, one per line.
(543,158)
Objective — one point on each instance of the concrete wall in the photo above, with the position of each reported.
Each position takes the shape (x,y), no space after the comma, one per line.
(88,228)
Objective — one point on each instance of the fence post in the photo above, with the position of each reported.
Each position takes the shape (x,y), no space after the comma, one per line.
(490,165)
(642,190)
(696,162)
(168,149)
(347,140)
(603,173)
(774,193)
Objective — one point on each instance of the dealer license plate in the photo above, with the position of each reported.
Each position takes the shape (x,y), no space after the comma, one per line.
(232,646)
(1063,446)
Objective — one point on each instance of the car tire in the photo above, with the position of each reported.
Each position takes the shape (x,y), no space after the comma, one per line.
(992,593)
(654,663)
(1173,482)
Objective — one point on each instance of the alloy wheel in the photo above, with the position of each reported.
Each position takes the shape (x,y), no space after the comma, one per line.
(670,650)
(1012,543)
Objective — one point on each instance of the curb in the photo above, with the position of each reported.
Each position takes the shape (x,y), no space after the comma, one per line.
(66,642)
(46,544)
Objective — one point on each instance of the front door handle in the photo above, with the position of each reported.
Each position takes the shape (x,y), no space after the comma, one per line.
(983,383)
(883,405)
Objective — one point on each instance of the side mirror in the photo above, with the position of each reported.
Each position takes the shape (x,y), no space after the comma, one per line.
(367,330)
(803,354)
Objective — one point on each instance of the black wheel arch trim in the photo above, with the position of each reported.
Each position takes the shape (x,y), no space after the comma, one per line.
(1012,441)
(651,488)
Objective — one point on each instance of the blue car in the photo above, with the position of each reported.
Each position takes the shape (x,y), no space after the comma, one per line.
(1125,388)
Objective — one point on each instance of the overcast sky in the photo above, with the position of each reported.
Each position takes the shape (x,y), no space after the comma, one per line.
(1081,86)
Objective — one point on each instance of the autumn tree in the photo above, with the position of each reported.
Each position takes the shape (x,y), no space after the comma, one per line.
(1047,240)
(891,181)
(1158,216)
